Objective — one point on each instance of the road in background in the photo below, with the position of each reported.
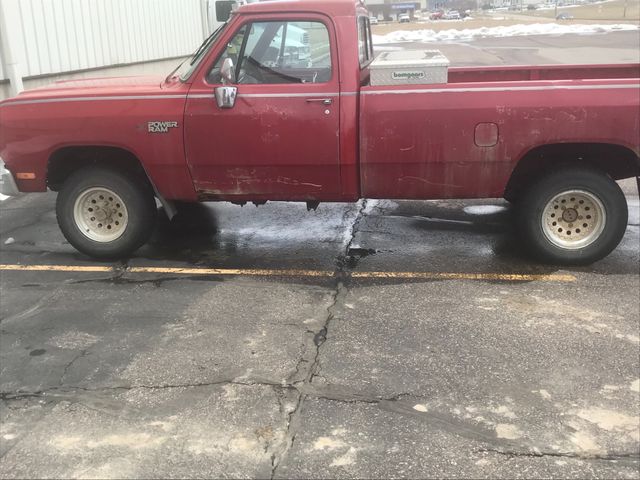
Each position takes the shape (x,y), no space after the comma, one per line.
(426,344)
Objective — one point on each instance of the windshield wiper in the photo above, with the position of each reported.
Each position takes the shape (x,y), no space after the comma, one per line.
(205,44)
(198,52)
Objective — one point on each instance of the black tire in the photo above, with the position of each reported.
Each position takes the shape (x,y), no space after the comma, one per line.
(138,200)
(532,211)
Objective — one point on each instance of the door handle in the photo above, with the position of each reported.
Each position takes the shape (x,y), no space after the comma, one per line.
(324,101)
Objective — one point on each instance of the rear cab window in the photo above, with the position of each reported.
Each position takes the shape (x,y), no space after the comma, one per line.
(365,43)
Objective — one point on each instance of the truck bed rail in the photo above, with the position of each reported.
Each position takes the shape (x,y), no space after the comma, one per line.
(513,73)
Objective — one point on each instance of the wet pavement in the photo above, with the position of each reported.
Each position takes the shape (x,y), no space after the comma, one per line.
(360,368)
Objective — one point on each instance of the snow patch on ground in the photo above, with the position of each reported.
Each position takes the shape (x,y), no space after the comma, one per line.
(3,197)
(552,7)
(484,209)
(508,31)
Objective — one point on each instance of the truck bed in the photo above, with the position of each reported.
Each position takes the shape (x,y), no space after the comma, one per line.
(464,138)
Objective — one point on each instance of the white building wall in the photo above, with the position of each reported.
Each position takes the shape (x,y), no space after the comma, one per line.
(56,36)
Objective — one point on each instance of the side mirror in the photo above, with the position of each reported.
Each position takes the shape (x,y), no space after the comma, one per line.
(226,96)
(227,72)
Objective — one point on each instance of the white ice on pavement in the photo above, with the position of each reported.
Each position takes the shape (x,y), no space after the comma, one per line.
(508,31)
(484,209)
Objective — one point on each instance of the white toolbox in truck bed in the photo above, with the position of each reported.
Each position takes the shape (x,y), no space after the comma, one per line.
(409,67)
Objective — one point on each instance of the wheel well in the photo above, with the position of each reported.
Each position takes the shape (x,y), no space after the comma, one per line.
(67,160)
(617,161)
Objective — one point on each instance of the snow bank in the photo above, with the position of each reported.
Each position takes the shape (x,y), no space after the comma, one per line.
(510,31)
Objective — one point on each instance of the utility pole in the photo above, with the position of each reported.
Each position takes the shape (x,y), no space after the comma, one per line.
(555,13)
(8,45)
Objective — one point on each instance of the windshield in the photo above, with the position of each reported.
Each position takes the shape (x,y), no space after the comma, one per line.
(187,67)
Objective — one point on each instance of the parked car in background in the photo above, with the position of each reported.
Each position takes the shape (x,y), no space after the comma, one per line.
(373,20)
(436,15)
(452,15)
(404,18)
(564,16)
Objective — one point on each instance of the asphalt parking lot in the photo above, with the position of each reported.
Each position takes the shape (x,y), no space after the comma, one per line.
(368,340)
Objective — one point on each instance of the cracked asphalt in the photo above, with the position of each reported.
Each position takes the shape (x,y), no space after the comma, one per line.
(132,373)
(143,375)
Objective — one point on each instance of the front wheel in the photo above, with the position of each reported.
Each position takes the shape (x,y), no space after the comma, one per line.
(574,216)
(105,214)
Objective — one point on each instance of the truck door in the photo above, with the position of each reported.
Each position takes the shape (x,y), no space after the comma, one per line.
(280,139)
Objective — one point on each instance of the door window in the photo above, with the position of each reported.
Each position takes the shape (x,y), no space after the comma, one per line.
(278,52)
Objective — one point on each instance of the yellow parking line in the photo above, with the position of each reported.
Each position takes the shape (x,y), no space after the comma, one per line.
(506,277)
(56,268)
(234,271)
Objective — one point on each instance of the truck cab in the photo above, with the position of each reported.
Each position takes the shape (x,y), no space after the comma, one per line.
(287,71)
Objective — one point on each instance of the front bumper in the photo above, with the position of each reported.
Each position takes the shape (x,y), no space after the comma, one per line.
(7,182)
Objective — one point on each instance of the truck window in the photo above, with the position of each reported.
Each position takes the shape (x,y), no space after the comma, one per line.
(365,44)
(278,52)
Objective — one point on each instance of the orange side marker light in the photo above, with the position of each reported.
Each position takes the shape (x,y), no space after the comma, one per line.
(26,176)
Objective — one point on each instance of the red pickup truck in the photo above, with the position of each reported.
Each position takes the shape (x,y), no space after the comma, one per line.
(278,105)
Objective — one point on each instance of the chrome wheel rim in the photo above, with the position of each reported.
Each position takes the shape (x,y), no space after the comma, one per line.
(100,214)
(573,219)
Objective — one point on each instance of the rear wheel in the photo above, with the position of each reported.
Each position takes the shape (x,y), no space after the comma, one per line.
(574,216)
(105,214)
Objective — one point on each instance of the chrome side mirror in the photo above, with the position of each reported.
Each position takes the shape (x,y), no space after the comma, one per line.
(226,96)
(228,72)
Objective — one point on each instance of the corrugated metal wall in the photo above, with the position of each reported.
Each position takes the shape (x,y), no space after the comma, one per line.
(67,35)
